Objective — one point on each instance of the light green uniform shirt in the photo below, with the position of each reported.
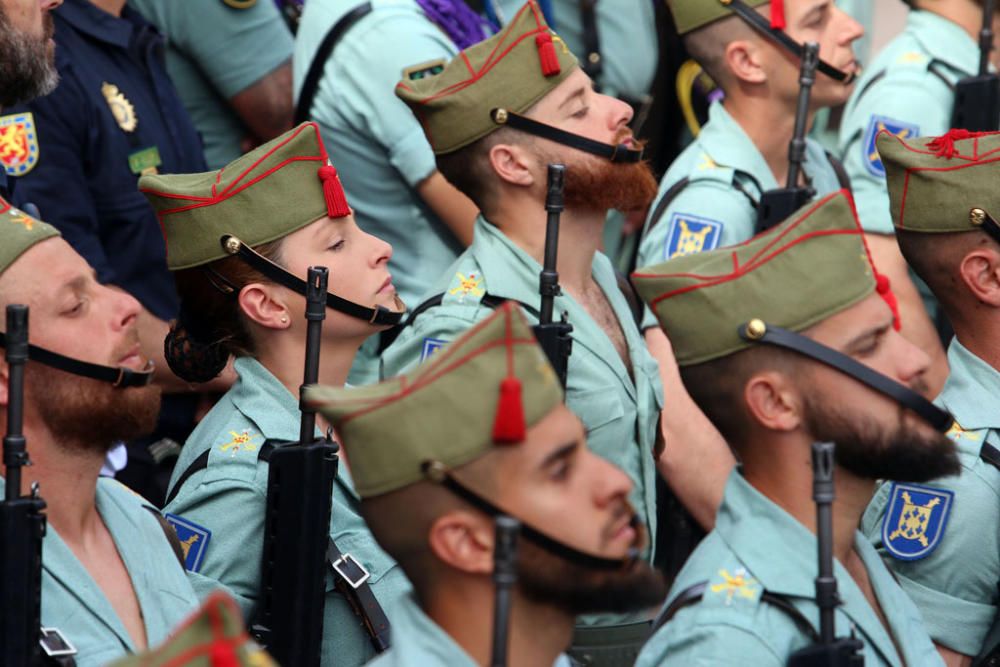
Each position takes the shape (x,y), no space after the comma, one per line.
(757,546)
(215,51)
(73,603)
(908,90)
(955,584)
(228,499)
(620,414)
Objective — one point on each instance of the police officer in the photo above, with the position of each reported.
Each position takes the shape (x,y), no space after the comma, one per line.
(231,61)
(472,114)
(947,231)
(746,596)
(111,582)
(486,432)
(284,203)
(393,184)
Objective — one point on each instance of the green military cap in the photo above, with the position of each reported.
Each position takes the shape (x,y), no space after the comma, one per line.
(212,636)
(941,184)
(268,193)
(18,232)
(810,267)
(511,70)
(485,388)
(689,15)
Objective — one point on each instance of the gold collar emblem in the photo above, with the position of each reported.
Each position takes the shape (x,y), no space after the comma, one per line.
(121,108)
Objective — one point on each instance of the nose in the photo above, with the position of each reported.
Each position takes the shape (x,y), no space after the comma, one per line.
(48,5)
(852,30)
(911,362)
(611,482)
(381,250)
(125,309)
(619,112)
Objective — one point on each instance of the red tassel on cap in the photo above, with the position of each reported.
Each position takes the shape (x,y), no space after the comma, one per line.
(885,291)
(336,201)
(944,145)
(547,54)
(509,427)
(777,14)
(223,654)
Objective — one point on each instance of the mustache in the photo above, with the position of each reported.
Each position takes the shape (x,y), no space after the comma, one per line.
(623,510)
(131,340)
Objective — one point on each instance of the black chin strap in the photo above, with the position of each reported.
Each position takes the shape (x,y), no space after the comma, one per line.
(377,315)
(120,377)
(619,153)
(780,37)
(440,475)
(759,332)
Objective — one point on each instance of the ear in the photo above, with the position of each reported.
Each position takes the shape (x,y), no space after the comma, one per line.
(464,541)
(743,58)
(773,402)
(512,164)
(980,271)
(265,305)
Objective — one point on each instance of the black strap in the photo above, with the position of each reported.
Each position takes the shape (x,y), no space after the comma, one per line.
(56,649)
(351,580)
(170,533)
(119,377)
(199,463)
(592,63)
(311,83)
(772,335)
(843,180)
(620,153)
(990,454)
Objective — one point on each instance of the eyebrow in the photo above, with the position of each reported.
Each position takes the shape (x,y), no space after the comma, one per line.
(817,8)
(579,92)
(860,339)
(561,453)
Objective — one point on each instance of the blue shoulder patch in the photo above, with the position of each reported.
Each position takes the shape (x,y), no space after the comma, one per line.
(871,159)
(194,540)
(915,519)
(430,346)
(689,234)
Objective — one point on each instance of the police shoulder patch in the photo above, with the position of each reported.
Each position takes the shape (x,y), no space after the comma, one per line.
(915,519)
(429,347)
(870,158)
(18,143)
(424,70)
(194,540)
(689,234)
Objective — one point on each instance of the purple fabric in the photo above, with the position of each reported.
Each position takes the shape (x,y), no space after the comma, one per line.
(461,24)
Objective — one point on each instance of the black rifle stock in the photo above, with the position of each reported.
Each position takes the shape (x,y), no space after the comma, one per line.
(831,651)
(977,98)
(777,205)
(22,521)
(504,578)
(553,337)
(297,521)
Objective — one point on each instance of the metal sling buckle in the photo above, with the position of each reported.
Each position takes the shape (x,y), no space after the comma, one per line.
(351,571)
(55,644)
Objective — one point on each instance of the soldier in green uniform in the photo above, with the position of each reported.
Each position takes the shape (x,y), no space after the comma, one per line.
(284,201)
(485,432)
(472,113)
(944,203)
(747,594)
(111,580)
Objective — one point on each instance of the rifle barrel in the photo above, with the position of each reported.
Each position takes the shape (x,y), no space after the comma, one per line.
(504,578)
(14,451)
(823,495)
(315,314)
(549,277)
(797,147)
(986,37)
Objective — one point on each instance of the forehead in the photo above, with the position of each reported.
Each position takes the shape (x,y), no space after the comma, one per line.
(40,271)
(566,88)
(869,313)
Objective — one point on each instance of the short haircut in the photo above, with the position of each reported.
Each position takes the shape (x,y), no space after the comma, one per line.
(936,258)
(707,46)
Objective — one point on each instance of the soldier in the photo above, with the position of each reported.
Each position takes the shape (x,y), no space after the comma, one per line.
(777,339)
(486,433)
(472,113)
(943,204)
(231,61)
(111,580)
(284,204)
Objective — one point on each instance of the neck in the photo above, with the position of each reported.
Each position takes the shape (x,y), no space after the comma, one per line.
(538,633)
(980,341)
(284,357)
(770,127)
(113,7)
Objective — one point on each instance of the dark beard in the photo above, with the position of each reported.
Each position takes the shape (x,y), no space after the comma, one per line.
(27,65)
(873,452)
(87,415)
(595,184)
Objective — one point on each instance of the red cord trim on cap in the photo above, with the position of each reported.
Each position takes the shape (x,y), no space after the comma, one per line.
(957,156)
(777,14)
(944,146)
(218,632)
(4,205)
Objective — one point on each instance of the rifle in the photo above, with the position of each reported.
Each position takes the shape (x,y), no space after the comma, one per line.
(830,652)
(297,520)
(553,337)
(977,98)
(22,521)
(504,578)
(777,205)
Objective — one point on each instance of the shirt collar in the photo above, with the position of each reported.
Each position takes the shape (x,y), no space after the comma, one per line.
(944,40)
(88,18)
(497,255)
(258,389)
(728,145)
(972,392)
(416,635)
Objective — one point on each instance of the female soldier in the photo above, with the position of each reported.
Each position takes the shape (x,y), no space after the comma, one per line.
(240,241)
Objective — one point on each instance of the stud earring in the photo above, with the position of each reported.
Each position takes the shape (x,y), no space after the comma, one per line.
(284,319)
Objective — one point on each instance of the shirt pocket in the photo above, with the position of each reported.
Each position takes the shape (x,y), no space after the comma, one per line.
(602,412)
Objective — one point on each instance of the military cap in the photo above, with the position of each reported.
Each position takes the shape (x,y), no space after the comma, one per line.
(213,635)
(689,15)
(484,389)
(19,232)
(268,193)
(795,275)
(511,70)
(941,184)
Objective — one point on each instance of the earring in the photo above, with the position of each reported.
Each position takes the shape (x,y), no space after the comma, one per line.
(284,319)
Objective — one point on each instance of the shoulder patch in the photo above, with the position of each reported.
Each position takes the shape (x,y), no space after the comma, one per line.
(871,159)
(424,70)
(958,434)
(429,347)
(689,234)
(915,519)
(471,285)
(736,585)
(194,540)
(240,4)
(18,143)
(911,58)
(241,441)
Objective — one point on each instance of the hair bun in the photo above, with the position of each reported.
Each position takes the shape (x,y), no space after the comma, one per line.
(192,360)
